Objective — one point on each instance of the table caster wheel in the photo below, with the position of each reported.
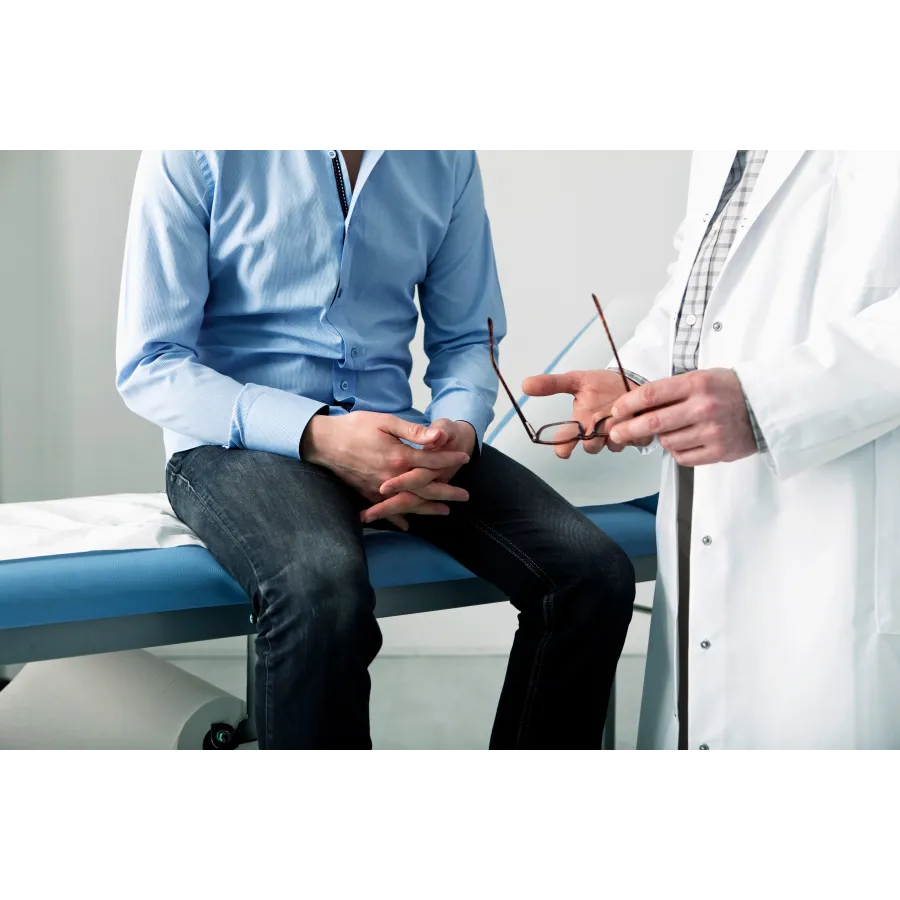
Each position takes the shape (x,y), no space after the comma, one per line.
(220,737)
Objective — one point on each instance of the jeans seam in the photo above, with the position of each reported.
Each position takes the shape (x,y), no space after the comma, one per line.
(547,605)
(267,693)
(520,554)
(528,706)
(224,527)
(210,511)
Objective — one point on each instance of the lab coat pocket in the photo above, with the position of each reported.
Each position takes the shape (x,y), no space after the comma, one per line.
(887,532)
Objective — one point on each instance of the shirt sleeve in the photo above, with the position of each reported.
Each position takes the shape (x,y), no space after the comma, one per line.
(754,425)
(639,380)
(165,285)
(460,291)
(631,376)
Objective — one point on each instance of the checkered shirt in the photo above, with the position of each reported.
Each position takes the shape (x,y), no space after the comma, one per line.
(720,234)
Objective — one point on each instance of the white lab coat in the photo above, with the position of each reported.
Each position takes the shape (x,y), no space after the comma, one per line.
(798,589)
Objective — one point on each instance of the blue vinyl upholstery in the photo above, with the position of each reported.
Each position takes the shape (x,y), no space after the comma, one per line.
(90,586)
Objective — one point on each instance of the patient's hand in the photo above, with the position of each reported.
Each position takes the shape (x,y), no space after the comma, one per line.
(594,393)
(426,483)
(364,449)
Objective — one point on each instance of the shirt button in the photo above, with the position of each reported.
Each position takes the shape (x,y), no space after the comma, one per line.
(704,746)
(691,319)
(345,385)
(717,326)
(704,645)
(353,352)
(707,539)
(332,154)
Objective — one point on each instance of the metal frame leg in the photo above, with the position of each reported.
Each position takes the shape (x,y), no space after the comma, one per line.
(246,731)
(609,728)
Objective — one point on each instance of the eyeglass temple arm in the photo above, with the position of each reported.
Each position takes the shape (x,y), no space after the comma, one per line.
(509,393)
(612,343)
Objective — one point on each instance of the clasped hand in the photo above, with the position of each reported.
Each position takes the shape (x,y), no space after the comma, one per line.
(366,451)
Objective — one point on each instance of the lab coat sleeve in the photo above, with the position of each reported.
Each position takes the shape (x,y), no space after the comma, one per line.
(460,291)
(165,285)
(833,393)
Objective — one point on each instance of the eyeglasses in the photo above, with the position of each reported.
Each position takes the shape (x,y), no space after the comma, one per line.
(547,433)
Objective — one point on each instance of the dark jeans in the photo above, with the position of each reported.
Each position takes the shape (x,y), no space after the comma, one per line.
(289,533)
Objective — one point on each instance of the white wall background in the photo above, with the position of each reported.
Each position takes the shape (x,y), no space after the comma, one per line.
(565,224)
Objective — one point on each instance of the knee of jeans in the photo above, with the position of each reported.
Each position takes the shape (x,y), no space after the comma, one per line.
(329,597)
(604,566)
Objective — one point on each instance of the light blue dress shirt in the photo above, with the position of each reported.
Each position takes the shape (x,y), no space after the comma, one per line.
(249,301)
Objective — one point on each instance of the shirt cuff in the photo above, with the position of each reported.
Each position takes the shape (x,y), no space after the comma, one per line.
(631,376)
(761,445)
(637,379)
(463,406)
(272,420)
(758,436)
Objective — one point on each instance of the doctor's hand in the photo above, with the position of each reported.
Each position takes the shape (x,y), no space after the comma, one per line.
(594,393)
(365,449)
(700,417)
(426,483)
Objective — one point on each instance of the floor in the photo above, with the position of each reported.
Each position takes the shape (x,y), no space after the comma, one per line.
(441,702)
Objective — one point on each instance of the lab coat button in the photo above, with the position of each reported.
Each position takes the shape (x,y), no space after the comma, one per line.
(717,326)
(345,385)
(707,540)
(353,352)
(704,645)
(704,746)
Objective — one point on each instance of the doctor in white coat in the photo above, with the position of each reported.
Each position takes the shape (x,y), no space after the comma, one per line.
(786,600)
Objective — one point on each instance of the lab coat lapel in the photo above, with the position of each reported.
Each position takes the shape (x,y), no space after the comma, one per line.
(777,168)
(709,173)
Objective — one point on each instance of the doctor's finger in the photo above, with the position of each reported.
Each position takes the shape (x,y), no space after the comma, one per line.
(698,456)
(545,385)
(653,422)
(651,395)
(567,432)
(594,445)
(598,423)
(683,439)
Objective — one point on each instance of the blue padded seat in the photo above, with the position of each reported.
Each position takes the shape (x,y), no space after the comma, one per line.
(90,586)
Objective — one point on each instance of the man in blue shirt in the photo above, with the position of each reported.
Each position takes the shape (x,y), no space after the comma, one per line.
(267,307)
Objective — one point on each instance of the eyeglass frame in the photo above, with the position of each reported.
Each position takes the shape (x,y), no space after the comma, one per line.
(534,435)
